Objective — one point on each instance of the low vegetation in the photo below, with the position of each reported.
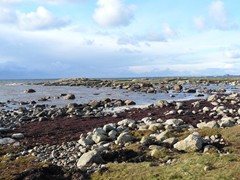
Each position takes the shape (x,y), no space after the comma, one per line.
(11,165)
(184,165)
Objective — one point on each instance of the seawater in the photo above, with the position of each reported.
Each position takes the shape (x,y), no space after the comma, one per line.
(13,90)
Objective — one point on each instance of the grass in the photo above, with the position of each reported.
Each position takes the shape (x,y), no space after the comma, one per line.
(186,165)
(10,166)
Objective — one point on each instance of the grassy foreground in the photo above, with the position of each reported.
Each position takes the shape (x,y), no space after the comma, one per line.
(11,165)
(187,165)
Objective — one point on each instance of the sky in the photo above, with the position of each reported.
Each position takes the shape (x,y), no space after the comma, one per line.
(118,38)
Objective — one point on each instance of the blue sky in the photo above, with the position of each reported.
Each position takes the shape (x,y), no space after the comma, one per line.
(118,38)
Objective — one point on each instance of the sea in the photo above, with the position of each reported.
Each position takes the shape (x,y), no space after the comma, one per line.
(13,90)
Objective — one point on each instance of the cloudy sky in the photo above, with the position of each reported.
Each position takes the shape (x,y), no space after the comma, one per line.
(118,38)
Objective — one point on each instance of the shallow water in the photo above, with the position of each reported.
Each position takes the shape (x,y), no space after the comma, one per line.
(14,90)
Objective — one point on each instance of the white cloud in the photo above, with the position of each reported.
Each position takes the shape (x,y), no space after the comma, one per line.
(166,33)
(219,14)
(232,54)
(60,1)
(7,16)
(199,23)
(41,19)
(4,2)
(110,13)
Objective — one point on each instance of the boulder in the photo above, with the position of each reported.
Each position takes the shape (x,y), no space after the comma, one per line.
(124,138)
(7,140)
(162,136)
(5,130)
(192,143)
(178,88)
(98,137)
(211,124)
(112,134)
(162,103)
(85,141)
(129,102)
(29,91)
(174,122)
(171,141)
(18,136)
(109,127)
(88,158)
(125,122)
(212,98)
(227,122)
(69,97)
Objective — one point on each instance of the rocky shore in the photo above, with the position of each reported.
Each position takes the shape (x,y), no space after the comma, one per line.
(151,85)
(80,141)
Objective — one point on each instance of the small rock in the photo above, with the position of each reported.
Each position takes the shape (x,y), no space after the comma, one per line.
(18,136)
(7,140)
(29,91)
(69,97)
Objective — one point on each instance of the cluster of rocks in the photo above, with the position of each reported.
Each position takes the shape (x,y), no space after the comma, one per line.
(149,86)
(30,112)
(91,150)
(6,139)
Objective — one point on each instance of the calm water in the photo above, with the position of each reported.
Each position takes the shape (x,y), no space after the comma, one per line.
(14,90)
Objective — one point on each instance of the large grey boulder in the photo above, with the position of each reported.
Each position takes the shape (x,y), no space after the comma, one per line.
(124,138)
(99,137)
(85,141)
(192,143)
(227,122)
(174,122)
(109,127)
(88,158)
(211,124)
(126,122)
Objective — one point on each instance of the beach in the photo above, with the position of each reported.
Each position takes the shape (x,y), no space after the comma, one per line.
(60,122)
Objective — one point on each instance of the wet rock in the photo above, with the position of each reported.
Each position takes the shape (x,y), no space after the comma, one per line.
(192,143)
(69,97)
(178,88)
(129,102)
(29,91)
